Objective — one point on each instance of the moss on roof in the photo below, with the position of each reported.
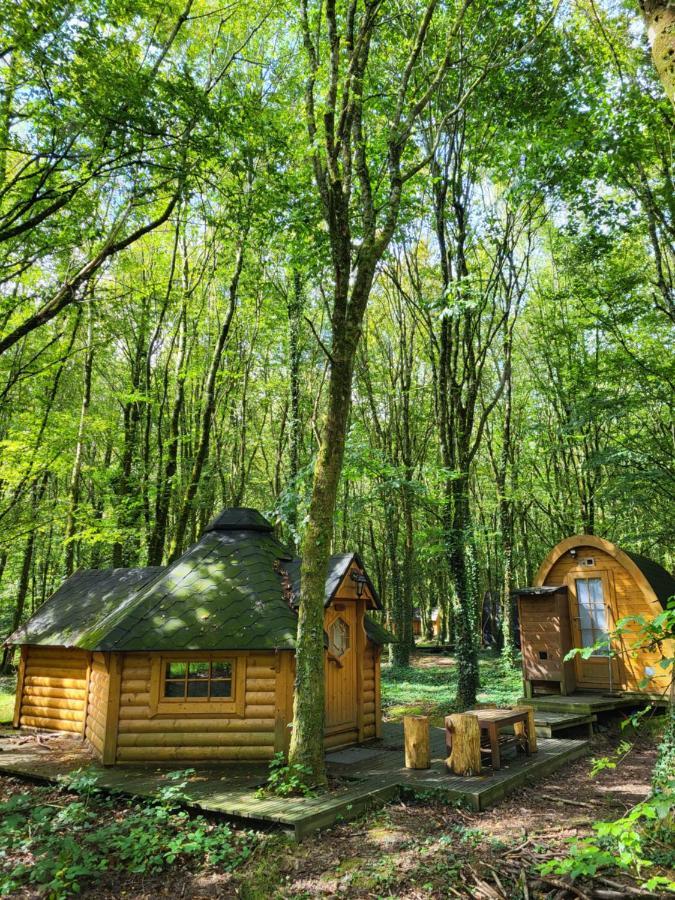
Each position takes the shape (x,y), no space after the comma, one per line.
(73,615)
(376,632)
(227,592)
(222,594)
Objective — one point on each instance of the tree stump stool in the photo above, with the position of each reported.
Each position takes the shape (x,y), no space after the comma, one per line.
(463,737)
(416,742)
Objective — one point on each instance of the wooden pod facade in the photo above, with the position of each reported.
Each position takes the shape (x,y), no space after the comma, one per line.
(201,703)
(583,589)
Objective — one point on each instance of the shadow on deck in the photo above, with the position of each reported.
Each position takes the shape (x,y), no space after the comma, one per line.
(366,776)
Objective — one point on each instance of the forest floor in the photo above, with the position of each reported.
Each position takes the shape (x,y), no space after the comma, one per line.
(414,849)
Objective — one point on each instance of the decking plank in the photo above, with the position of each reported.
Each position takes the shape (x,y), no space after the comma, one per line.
(231,789)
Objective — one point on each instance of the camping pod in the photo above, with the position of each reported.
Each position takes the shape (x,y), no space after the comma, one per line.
(196,661)
(583,589)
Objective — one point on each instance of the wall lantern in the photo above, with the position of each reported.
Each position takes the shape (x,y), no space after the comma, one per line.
(361,581)
(573,553)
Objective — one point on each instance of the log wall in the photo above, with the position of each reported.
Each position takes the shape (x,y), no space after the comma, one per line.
(197,736)
(97,702)
(371,663)
(54,691)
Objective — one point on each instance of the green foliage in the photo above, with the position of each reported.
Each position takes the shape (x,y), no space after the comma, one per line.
(287,780)
(59,845)
(633,843)
(431,690)
(644,837)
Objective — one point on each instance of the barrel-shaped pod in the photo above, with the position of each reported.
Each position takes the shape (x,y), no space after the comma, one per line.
(632,598)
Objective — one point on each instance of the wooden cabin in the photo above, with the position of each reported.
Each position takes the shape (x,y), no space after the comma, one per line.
(196,661)
(583,588)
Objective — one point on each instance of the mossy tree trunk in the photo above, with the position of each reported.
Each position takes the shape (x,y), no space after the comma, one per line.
(346,138)
(659,17)
(464,338)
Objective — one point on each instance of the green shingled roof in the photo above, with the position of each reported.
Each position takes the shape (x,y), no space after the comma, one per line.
(225,593)
(222,594)
(377,633)
(72,616)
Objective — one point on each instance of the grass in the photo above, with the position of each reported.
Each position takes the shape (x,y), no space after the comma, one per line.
(428,687)
(6,699)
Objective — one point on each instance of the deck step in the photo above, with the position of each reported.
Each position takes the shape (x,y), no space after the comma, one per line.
(577,704)
(548,723)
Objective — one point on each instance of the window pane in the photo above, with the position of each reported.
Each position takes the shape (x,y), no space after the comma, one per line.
(585,618)
(587,638)
(599,619)
(221,670)
(595,585)
(198,688)
(592,613)
(198,670)
(176,669)
(221,688)
(174,688)
(603,651)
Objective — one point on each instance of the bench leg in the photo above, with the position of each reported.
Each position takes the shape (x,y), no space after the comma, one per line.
(494,747)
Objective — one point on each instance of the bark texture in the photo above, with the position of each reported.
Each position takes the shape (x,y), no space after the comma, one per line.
(659,16)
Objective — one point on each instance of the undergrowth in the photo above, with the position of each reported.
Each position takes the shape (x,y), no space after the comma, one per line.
(286,779)
(57,841)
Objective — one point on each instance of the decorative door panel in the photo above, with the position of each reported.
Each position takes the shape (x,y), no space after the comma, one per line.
(341,661)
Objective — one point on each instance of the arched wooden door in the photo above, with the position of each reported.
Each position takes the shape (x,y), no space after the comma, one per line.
(341,663)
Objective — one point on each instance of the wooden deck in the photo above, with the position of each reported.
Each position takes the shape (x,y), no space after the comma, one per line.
(551,724)
(557,715)
(583,704)
(365,776)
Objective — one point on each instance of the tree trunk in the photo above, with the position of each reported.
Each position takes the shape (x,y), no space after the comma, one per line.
(126,487)
(506,517)
(206,418)
(166,479)
(295,425)
(308,708)
(659,17)
(26,567)
(466,645)
(75,476)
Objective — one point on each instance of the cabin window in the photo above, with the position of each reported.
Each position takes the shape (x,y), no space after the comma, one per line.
(203,684)
(592,613)
(192,679)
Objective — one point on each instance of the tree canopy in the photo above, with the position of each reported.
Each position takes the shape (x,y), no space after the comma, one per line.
(401,276)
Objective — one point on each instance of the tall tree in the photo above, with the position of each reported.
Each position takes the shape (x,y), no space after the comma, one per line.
(362,162)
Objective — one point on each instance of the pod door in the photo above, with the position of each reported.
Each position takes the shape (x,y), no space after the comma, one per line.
(592,619)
